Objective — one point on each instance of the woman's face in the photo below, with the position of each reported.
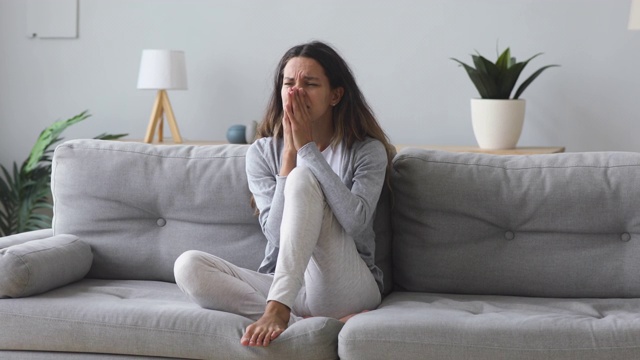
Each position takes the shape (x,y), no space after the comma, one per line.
(307,74)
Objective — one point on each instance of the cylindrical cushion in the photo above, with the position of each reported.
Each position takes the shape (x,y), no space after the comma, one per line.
(38,266)
(561,225)
(24,237)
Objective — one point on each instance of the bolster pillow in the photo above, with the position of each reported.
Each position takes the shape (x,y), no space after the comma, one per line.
(38,266)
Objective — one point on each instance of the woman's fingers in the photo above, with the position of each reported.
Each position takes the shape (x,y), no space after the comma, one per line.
(300,105)
(296,120)
(299,117)
(286,128)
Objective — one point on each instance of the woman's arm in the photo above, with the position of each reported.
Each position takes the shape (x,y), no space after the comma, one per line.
(267,187)
(267,174)
(353,208)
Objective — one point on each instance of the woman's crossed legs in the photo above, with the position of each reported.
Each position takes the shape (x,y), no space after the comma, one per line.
(319,271)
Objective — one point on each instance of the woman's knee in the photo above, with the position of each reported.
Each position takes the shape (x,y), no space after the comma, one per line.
(302,180)
(187,265)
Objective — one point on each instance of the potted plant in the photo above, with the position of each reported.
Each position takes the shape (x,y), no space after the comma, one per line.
(497,117)
(25,191)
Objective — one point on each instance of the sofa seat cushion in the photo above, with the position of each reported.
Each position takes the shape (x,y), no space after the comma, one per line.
(38,355)
(147,318)
(434,326)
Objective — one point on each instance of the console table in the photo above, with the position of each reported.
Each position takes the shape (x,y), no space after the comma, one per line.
(475,149)
(169,141)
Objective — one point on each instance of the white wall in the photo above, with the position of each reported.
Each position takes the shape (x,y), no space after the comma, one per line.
(399,51)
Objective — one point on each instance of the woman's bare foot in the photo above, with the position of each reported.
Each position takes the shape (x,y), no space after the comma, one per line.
(272,323)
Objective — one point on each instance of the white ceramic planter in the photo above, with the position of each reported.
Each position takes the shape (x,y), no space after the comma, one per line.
(497,124)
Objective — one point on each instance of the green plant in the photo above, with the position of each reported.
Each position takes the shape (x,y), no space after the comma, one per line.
(497,80)
(24,192)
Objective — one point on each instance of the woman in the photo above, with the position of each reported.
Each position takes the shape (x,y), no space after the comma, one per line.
(316,173)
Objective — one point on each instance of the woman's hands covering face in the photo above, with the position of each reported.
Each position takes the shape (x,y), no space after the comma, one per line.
(297,118)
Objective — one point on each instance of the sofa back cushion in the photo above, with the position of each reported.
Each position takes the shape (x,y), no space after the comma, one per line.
(561,225)
(140,206)
(384,234)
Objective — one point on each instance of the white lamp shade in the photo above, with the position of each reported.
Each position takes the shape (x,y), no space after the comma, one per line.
(162,70)
(634,15)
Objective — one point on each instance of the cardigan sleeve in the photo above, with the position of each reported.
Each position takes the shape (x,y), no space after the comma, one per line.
(267,188)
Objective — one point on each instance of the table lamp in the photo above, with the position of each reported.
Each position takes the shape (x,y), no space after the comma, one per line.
(162,70)
(634,15)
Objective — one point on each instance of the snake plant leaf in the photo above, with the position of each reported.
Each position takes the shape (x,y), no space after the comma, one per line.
(517,70)
(49,136)
(504,60)
(487,72)
(490,72)
(498,80)
(530,80)
(509,80)
(479,80)
(484,65)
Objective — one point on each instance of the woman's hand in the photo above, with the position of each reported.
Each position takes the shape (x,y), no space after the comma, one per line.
(296,126)
(297,112)
(289,155)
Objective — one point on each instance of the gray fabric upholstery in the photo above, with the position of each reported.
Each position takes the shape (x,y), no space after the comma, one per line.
(561,225)
(140,206)
(527,257)
(147,318)
(21,238)
(39,355)
(37,266)
(383,233)
(431,326)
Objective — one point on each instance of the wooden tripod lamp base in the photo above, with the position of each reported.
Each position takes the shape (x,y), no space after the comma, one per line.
(160,106)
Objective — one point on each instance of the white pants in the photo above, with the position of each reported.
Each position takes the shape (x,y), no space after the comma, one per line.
(318,272)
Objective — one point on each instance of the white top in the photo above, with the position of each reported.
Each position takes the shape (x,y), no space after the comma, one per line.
(333,155)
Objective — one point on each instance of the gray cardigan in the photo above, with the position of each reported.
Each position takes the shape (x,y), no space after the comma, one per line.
(352,198)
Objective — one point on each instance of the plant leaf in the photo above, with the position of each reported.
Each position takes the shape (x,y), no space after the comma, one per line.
(509,80)
(480,81)
(26,191)
(504,60)
(493,77)
(105,136)
(48,137)
(7,197)
(497,81)
(484,65)
(530,79)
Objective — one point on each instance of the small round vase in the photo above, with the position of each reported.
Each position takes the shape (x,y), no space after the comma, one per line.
(236,134)
(497,124)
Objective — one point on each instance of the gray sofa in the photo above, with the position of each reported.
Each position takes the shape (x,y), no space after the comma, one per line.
(490,257)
